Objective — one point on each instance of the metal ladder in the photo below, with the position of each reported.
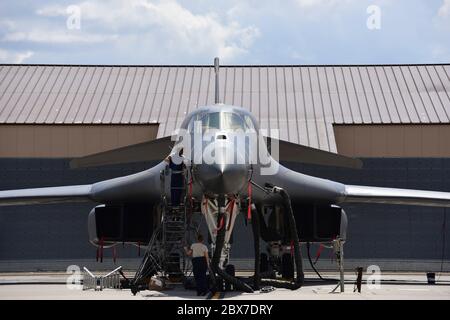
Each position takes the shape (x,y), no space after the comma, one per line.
(173,234)
(98,283)
(165,251)
(151,263)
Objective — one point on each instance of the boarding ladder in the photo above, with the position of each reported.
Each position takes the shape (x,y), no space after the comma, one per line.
(164,253)
(173,233)
(98,283)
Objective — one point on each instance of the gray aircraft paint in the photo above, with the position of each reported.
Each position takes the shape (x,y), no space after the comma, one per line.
(47,237)
(146,186)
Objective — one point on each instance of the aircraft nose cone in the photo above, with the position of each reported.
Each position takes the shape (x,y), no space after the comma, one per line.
(222,177)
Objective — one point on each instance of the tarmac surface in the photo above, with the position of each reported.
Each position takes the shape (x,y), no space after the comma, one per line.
(396,286)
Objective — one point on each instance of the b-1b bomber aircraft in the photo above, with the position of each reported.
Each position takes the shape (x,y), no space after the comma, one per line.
(230,168)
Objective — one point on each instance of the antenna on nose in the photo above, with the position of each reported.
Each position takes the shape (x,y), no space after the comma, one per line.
(216,70)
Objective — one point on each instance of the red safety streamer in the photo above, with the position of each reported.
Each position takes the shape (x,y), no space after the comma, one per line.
(249,208)
(319,252)
(220,225)
(292,247)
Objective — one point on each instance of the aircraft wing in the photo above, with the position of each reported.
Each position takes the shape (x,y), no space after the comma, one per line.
(293,152)
(154,150)
(364,194)
(139,187)
(45,195)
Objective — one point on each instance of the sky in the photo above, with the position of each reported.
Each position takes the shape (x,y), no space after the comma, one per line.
(238,31)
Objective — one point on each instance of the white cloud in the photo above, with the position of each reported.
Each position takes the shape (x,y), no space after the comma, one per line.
(57,37)
(20,57)
(311,3)
(325,11)
(52,11)
(444,10)
(250,31)
(171,25)
(319,3)
(14,57)
(200,32)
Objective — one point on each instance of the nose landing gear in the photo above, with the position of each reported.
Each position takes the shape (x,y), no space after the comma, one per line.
(217,270)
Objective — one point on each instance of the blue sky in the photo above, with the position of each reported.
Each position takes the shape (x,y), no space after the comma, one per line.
(238,31)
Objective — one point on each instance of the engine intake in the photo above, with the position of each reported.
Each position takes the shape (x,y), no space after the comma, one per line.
(129,223)
(320,223)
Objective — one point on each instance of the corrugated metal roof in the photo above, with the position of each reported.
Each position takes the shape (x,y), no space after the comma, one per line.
(302,101)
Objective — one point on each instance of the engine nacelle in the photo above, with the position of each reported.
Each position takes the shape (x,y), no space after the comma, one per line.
(320,223)
(315,223)
(128,223)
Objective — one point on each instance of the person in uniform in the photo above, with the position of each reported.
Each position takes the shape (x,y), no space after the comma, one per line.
(200,264)
(176,164)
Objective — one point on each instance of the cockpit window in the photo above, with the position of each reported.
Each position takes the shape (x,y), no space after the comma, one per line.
(222,121)
(249,122)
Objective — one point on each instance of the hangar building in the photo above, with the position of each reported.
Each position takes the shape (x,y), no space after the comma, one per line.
(394,117)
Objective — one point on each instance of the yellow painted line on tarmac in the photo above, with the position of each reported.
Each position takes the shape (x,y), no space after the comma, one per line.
(216,296)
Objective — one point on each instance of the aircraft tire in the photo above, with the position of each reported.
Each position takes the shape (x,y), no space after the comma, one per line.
(264,262)
(287,266)
(230,269)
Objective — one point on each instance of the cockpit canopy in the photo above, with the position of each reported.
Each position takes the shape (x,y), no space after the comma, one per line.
(225,118)
(224,121)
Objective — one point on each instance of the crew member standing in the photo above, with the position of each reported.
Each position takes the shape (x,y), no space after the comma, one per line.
(200,263)
(176,164)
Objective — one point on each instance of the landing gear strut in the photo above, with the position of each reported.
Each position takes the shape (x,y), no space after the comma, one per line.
(215,261)
(298,282)
(338,248)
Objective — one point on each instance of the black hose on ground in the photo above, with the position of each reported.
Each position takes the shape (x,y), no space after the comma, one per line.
(215,260)
(238,284)
(220,239)
(256,242)
(308,245)
(294,235)
(280,284)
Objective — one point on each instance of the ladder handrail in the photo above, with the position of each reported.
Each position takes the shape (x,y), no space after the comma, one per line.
(169,238)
